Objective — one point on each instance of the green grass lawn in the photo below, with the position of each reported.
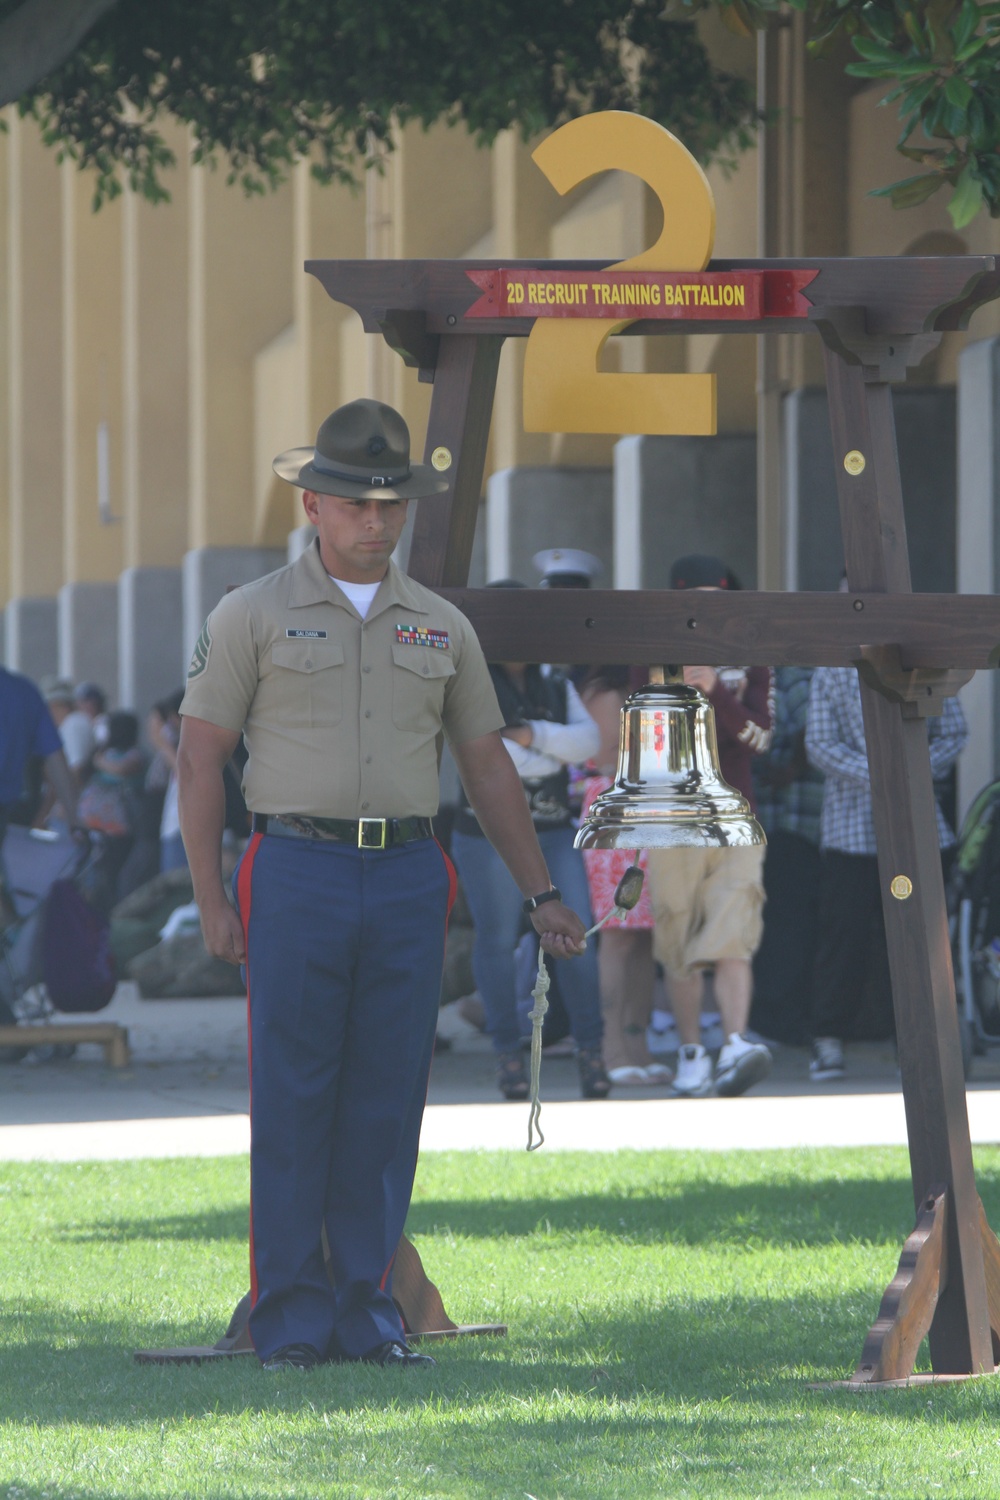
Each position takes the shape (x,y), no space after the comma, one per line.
(666,1313)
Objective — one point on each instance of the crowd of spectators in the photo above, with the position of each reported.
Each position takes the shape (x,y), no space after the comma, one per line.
(120,785)
(792,936)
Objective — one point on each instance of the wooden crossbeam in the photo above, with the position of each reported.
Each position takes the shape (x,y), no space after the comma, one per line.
(655,626)
(413,302)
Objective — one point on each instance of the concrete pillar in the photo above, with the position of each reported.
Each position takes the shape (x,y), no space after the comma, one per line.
(155,363)
(674,495)
(529,510)
(299,540)
(240,299)
(88,634)
(208,573)
(925,433)
(978,544)
(421,171)
(92,386)
(525,206)
(329,223)
(149,636)
(35,334)
(307,370)
(32,636)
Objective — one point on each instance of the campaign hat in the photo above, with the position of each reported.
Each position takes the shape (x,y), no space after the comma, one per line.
(362,452)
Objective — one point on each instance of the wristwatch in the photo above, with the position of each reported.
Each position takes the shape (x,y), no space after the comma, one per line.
(534,902)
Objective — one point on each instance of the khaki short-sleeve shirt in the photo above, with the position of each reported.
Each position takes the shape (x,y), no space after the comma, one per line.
(340,716)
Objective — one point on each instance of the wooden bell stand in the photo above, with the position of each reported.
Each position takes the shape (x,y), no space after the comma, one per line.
(876,318)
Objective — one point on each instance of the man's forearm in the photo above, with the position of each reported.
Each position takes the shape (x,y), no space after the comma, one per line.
(202,808)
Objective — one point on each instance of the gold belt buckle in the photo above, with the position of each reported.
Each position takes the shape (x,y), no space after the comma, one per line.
(371,833)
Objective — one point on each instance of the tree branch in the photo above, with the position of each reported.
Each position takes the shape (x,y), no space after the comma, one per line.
(38,37)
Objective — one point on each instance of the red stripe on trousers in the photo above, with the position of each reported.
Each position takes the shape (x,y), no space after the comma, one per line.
(244,892)
(452,882)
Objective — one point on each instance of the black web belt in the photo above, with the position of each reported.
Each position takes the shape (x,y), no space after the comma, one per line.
(362,833)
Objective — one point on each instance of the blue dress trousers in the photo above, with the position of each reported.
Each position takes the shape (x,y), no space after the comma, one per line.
(345,950)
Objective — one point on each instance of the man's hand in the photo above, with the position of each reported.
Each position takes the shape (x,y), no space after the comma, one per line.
(223,933)
(701,677)
(560,929)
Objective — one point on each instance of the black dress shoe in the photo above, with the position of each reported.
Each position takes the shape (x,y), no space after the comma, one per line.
(293,1357)
(394,1353)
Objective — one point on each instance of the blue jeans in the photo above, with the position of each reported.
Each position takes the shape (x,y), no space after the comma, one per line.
(495,903)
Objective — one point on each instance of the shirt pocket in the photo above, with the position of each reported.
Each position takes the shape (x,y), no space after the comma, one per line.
(309,678)
(419,677)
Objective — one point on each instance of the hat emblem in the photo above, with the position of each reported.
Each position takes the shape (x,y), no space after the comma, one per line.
(377,445)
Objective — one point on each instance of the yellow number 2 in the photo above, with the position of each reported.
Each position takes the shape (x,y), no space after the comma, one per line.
(563,389)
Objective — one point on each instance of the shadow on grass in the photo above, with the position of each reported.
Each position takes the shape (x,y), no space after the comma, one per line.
(823,1212)
(214,1226)
(680,1350)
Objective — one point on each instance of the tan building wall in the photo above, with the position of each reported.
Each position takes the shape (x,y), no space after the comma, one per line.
(33,482)
(184,343)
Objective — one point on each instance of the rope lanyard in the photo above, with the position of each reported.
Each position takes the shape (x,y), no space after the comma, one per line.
(627,893)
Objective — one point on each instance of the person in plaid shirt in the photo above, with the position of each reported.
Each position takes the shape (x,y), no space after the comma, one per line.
(850,896)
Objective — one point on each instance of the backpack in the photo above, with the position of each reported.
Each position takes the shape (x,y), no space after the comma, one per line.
(78,967)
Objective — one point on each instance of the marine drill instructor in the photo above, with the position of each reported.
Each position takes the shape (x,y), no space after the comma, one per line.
(340,672)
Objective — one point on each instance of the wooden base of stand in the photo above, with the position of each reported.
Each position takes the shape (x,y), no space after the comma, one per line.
(107,1034)
(907,1308)
(416,1296)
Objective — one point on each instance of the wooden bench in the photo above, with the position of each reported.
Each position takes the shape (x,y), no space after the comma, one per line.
(107,1034)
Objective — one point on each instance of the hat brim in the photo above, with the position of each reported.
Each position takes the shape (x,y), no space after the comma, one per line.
(296,466)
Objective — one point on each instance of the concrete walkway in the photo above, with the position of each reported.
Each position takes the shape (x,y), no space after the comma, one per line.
(185,1094)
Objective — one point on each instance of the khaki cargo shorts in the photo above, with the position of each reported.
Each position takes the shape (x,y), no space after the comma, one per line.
(707,904)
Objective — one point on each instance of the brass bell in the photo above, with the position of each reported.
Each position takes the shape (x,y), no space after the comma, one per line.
(668,792)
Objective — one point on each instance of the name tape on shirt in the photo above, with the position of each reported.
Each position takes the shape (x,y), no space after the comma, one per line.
(419,635)
(305,635)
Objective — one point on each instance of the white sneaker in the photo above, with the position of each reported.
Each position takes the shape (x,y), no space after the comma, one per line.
(827,1059)
(693,1078)
(741,1064)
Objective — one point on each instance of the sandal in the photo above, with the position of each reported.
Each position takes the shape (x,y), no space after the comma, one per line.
(511,1077)
(594,1081)
(629,1075)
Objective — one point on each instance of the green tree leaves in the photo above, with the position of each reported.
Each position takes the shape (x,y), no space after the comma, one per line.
(266,81)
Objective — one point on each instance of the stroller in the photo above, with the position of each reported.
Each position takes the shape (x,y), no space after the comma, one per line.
(974,901)
(35,866)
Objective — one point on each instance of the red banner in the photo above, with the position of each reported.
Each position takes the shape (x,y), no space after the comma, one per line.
(534,292)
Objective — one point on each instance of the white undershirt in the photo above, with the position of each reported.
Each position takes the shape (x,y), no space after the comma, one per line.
(360,594)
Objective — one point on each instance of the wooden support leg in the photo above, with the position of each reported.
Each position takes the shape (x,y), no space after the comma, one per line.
(916,919)
(991,1263)
(910,1299)
(465,379)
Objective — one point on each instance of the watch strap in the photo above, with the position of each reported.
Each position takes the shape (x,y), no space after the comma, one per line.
(534,902)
